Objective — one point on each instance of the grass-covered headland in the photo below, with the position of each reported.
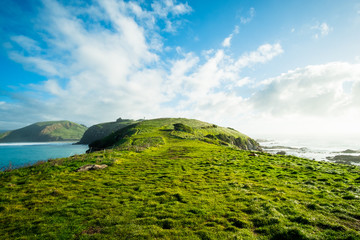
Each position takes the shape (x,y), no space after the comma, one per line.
(45,132)
(192,182)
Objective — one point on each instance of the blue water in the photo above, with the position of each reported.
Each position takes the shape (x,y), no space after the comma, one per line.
(24,154)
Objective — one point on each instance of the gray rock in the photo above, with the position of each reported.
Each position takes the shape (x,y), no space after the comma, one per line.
(350,151)
(347,159)
(91,167)
(281,153)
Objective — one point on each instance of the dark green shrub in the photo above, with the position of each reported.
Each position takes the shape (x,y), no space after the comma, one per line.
(204,235)
(290,233)
(179,197)
(168,223)
(182,128)
(210,136)
(349,196)
(238,223)
(330,226)
(300,219)
(264,221)
(313,206)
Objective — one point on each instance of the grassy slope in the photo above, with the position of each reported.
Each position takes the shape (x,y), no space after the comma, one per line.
(46,131)
(101,130)
(154,132)
(181,189)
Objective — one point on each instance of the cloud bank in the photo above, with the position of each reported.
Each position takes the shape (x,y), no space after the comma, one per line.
(108,60)
(108,67)
(316,98)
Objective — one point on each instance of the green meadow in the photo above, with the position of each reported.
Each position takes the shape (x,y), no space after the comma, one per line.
(192,182)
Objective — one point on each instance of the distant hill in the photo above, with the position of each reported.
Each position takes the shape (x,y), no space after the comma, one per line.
(158,131)
(102,130)
(45,132)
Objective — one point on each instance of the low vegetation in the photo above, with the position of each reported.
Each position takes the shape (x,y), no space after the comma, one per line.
(45,132)
(166,184)
(154,132)
(102,130)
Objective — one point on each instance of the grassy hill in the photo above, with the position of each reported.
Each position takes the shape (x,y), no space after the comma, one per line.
(102,130)
(168,182)
(45,132)
(156,132)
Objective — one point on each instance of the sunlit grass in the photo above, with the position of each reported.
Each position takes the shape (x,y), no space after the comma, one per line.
(181,189)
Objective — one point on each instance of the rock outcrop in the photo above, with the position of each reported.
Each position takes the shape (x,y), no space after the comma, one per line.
(91,167)
(345,159)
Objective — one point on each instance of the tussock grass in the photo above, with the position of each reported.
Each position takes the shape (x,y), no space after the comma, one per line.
(180,188)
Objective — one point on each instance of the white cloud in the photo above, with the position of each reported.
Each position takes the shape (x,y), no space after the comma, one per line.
(208,88)
(165,7)
(263,54)
(227,41)
(168,10)
(43,66)
(26,43)
(105,69)
(322,29)
(249,18)
(98,72)
(325,92)
(243,81)
(53,88)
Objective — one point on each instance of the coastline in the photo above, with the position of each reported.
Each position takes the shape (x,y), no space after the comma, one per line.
(319,149)
(36,143)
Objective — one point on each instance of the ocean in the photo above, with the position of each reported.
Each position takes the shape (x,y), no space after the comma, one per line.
(319,148)
(24,154)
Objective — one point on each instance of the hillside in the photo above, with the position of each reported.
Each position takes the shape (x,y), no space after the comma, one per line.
(102,130)
(45,132)
(166,181)
(155,132)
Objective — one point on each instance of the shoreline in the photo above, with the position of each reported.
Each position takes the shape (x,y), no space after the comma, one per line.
(317,152)
(38,143)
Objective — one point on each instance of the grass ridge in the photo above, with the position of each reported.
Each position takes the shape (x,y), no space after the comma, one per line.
(182,188)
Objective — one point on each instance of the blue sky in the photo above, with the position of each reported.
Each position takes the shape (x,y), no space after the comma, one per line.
(262,67)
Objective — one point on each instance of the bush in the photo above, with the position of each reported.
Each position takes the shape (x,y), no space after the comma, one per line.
(264,221)
(238,223)
(290,233)
(183,128)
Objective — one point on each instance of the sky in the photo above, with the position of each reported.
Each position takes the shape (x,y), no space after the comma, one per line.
(263,67)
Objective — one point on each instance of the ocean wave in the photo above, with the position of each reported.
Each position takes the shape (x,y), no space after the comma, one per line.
(315,149)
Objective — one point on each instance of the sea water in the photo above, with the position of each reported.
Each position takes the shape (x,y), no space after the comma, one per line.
(16,155)
(318,148)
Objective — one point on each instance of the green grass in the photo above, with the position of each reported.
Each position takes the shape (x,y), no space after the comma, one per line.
(164,127)
(45,131)
(180,188)
(102,130)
